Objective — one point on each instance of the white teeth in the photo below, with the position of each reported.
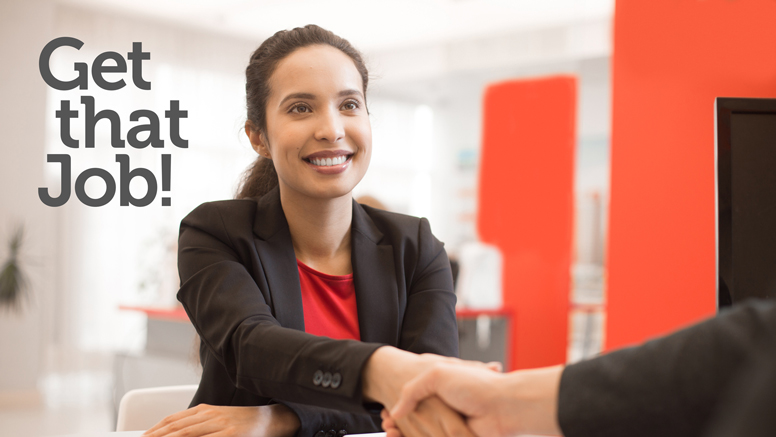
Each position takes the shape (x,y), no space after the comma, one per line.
(328,162)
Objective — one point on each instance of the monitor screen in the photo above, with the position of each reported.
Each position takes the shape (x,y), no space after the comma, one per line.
(746,199)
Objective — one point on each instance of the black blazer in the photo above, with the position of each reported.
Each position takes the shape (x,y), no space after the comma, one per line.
(240,288)
(718,377)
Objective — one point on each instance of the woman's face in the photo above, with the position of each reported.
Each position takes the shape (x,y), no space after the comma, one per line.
(318,132)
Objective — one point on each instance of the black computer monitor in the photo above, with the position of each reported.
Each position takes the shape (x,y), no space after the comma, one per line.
(746,199)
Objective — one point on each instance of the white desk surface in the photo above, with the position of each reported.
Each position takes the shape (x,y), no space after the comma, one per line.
(139,433)
(105,434)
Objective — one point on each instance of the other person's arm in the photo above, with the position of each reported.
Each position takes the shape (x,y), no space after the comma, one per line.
(669,386)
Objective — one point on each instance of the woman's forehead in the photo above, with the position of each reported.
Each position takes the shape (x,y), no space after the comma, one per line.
(318,69)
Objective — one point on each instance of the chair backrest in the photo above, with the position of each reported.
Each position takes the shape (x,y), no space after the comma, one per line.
(143,408)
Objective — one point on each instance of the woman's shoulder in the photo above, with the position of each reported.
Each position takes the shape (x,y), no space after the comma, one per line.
(228,214)
(410,237)
(396,226)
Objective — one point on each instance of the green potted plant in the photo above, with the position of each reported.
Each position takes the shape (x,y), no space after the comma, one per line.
(13,281)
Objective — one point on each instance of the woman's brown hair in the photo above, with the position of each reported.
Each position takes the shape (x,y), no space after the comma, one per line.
(261,177)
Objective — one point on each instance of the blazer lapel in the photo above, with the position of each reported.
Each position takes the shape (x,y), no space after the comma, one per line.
(374,277)
(278,260)
(377,293)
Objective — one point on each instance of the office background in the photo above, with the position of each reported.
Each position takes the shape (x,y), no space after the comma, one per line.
(430,62)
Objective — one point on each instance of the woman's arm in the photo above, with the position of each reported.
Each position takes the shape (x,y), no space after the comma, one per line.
(320,421)
(227,421)
(236,323)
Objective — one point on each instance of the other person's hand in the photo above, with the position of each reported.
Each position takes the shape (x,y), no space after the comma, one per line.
(220,421)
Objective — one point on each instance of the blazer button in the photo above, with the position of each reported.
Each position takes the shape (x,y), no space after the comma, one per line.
(336,380)
(331,433)
(326,379)
(320,434)
(342,432)
(317,378)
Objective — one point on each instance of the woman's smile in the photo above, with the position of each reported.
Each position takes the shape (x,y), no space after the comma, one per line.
(329,161)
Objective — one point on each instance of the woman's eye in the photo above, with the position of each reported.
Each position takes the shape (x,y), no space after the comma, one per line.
(300,109)
(350,105)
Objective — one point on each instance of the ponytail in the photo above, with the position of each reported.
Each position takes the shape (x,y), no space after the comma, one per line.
(258,179)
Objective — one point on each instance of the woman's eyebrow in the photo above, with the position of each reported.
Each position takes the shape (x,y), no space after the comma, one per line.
(350,92)
(306,96)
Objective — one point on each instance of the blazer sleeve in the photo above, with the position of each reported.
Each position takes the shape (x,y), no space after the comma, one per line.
(429,326)
(235,322)
(319,421)
(669,386)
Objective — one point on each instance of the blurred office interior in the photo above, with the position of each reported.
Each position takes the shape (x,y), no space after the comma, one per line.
(76,344)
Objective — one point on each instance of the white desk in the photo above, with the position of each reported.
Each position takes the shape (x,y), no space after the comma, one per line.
(139,433)
(106,434)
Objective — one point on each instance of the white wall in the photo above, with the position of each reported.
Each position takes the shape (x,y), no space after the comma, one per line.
(25,26)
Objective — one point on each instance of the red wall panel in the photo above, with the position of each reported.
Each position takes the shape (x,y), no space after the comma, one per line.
(671,59)
(526,208)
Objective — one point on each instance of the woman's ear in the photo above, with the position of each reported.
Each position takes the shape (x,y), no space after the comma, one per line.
(257,139)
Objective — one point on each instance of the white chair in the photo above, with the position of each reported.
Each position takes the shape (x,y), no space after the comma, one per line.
(143,408)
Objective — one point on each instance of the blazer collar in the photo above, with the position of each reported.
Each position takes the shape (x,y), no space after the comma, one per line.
(363,224)
(269,216)
(374,274)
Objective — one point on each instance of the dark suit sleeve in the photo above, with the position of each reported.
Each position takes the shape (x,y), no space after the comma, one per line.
(747,407)
(235,322)
(429,324)
(316,419)
(666,387)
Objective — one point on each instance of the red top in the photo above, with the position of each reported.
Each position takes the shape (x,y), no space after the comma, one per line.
(329,304)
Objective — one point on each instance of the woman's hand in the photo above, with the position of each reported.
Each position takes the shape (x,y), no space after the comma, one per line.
(385,375)
(389,369)
(219,421)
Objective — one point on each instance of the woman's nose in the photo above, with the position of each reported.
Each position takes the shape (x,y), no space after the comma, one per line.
(330,127)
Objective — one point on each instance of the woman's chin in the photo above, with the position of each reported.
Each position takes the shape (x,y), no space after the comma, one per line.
(330,191)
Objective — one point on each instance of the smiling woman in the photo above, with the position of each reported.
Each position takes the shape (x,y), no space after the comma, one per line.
(305,300)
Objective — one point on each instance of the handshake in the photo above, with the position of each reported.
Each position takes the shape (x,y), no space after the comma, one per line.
(427,395)
(713,379)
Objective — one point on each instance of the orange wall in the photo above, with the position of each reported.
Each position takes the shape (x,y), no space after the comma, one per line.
(526,208)
(671,59)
